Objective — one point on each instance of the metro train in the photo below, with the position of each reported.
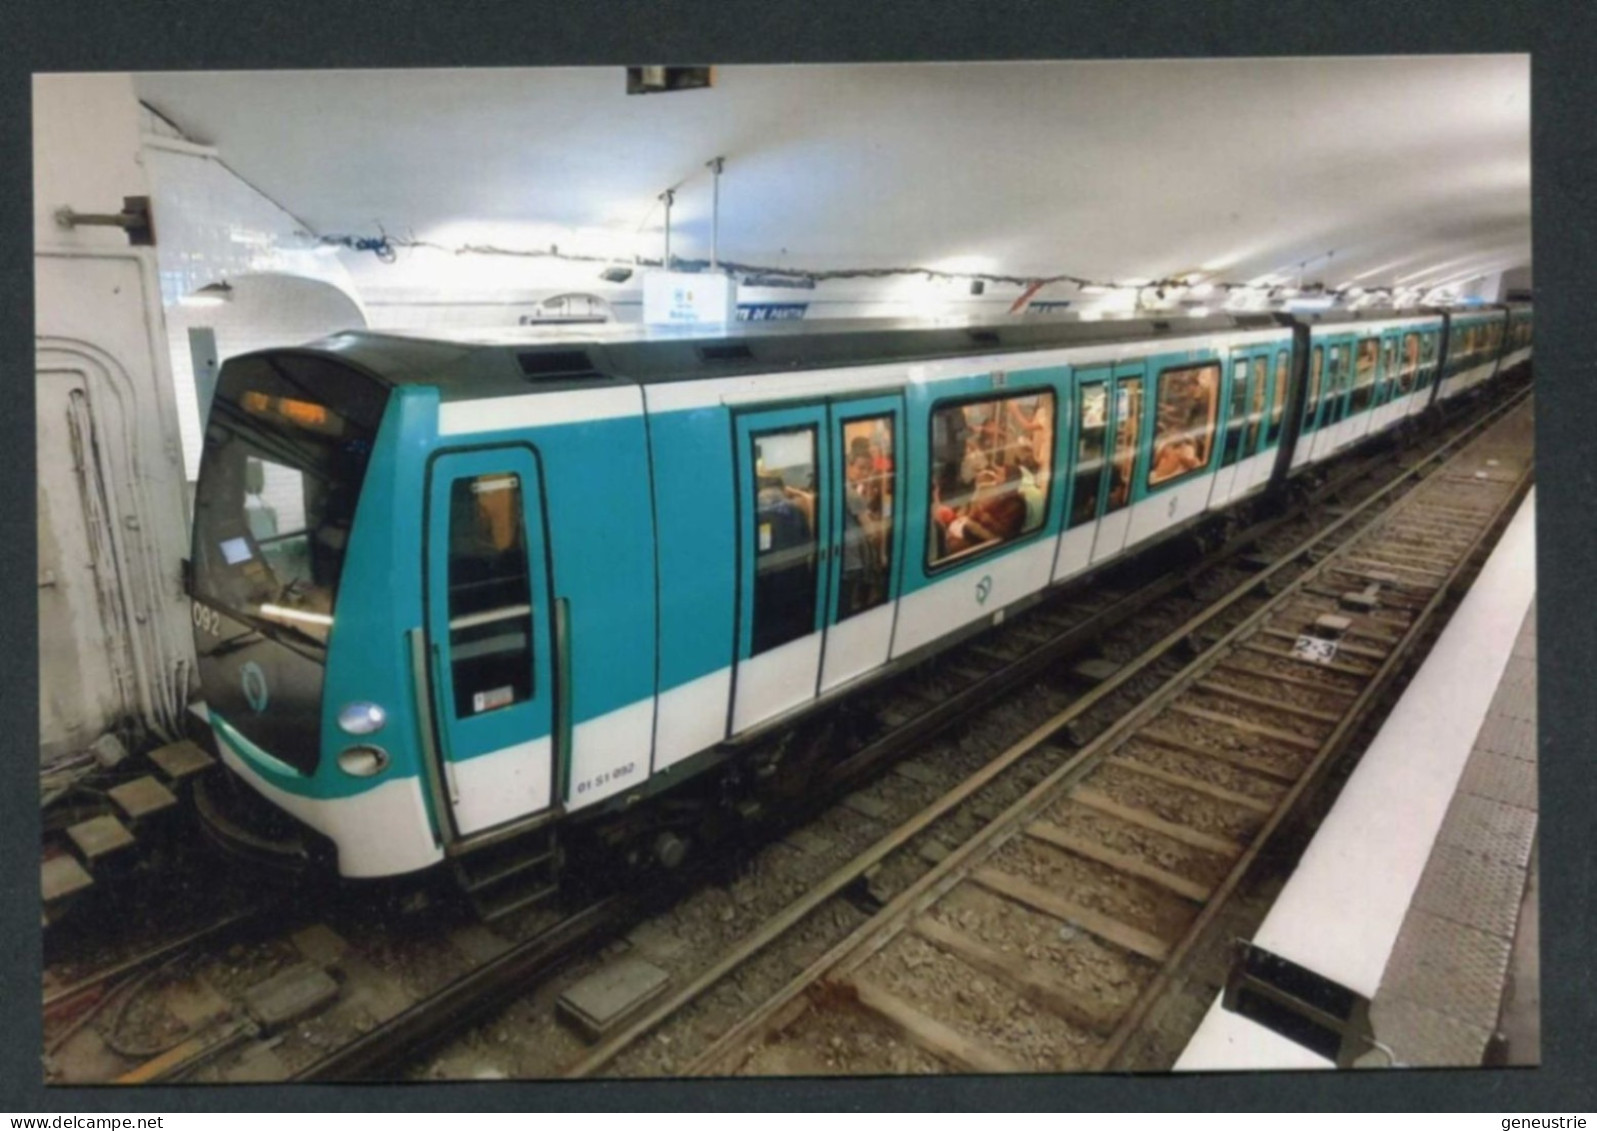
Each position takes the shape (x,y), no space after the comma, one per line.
(451,594)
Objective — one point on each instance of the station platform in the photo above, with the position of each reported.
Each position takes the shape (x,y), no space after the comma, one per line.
(1418,890)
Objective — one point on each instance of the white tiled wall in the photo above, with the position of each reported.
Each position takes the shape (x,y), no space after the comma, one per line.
(212,226)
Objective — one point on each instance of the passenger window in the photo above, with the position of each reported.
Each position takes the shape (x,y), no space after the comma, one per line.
(490,595)
(785,542)
(1093,413)
(990,474)
(1183,436)
(1128,438)
(867,456)
(1369,356)
(1278,397)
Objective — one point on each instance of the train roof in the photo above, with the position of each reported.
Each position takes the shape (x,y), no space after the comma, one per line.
(468,364)
(474,363)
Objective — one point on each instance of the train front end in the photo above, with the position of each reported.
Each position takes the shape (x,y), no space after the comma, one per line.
(298,595)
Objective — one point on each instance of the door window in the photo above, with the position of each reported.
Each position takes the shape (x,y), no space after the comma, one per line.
(1094,416)
(1234,417)
(490,594)
(867,456)
(1128,438)
(1261,374)
(785,543)
(1312,402)
(1364,367)
(1278,397)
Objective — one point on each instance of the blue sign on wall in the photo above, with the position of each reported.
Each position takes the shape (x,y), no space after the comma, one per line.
(771,311)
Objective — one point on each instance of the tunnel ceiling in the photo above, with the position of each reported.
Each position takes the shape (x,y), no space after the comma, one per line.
(1374,171)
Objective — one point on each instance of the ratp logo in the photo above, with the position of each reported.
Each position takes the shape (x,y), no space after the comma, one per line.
(254,681)
(984,589)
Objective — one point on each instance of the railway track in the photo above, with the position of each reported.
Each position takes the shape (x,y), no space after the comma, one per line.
(1043,943)
(1058,632)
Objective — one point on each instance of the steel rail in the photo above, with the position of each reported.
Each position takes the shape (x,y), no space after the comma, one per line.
(1332,746)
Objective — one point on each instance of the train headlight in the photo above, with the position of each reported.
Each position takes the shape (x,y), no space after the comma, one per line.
(363,761)
(361,718)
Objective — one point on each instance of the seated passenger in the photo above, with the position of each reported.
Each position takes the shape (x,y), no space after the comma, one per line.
(1175,457)
(998,514)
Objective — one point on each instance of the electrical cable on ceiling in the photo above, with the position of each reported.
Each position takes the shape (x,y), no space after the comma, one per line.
(386,248)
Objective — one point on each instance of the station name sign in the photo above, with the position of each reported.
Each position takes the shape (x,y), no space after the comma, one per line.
(677,298)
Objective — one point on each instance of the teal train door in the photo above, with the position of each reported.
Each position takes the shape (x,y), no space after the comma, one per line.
(490,631)
(785,471)
(866,522)
(1126,431)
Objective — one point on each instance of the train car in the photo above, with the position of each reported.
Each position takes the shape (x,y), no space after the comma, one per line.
(1475,342)
(450,592)
(1367,372)
(1517,339)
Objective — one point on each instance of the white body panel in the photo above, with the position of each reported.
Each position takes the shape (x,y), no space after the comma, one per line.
(1220,482)
(491,789)
(1075,551)
(1359,426)
(1231,483)
(1167,508)
(1468,379)
(383,831)
(857,645)
(1111,537)
(691,717)
(775,681)
(760,388)
(1389,413)
(1255,472)
(610,754)
(494,414)
(955,601)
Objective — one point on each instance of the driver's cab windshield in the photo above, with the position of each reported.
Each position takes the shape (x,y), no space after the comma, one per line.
(279,481)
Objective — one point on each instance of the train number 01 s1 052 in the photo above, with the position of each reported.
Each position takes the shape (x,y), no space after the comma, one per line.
(606,778)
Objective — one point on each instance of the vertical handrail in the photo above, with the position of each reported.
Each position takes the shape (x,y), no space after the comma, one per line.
(563,700)
(431,766)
